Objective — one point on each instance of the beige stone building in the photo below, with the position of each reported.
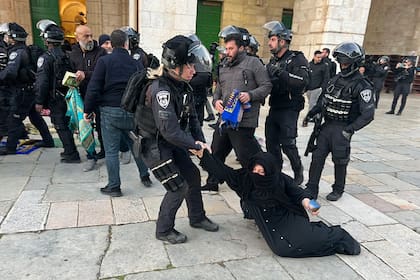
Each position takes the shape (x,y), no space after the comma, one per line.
(383,27)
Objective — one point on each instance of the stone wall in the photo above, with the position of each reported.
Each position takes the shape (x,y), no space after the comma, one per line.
(17,11)
(393,27)
(326,23)
(159,20)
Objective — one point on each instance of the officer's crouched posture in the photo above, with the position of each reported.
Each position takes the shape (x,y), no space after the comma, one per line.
(347,105)
(49,91)
(166,144)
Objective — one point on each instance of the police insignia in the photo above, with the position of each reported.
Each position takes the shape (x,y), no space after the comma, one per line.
(163,98)
(136,56)
(40,62)
(12,55)
(366,95)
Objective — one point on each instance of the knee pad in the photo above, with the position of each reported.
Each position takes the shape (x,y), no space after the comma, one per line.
(168,174)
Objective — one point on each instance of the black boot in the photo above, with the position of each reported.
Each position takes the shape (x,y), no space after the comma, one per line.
(70,155)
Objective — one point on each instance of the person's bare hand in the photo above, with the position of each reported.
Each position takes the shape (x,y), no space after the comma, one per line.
(244,97)
(218,105)
(80,76)
(38,108)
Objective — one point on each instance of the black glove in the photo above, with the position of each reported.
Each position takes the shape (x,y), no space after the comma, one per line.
(272,70)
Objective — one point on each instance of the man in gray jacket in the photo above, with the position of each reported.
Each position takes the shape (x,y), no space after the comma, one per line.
(247,75)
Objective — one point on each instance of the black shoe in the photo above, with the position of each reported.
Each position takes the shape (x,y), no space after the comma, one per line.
(173,237)
(206,224)
(43,144)
(72,158)
(390,112)
(398,114)
(5,151)
(210,187)
(114,191)
(209,118)
(146,181)
(334,196)
(100,155)
(299,176)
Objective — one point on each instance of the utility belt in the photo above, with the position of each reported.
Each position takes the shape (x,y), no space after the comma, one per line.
(27,88)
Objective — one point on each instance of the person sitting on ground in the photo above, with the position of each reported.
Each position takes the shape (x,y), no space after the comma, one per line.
(278,206)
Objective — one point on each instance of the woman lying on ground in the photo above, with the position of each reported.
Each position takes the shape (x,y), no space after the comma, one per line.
(278,206)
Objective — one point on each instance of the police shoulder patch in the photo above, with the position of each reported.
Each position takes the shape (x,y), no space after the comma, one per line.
(366,95)
(163,97)
(136,56)
(40,62)
(12,55)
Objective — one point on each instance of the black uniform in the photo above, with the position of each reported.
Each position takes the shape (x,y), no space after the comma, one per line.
(378,75)
(173,112)
(332,66)
(347,105)
(18,78)
(403,79)
(200,84)
(289,75)
(275,203)
(4,91)
(51,95)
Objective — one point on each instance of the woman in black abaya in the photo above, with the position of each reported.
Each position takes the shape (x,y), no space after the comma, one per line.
(278,206)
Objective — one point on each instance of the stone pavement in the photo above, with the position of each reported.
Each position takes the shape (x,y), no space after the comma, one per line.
(55,224)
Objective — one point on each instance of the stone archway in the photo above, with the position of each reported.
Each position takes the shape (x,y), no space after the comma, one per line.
(72,13)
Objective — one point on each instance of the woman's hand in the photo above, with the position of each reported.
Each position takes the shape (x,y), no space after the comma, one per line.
(307,206)
(199,153)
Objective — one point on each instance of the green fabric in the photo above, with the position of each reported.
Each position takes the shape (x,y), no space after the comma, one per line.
(75,112)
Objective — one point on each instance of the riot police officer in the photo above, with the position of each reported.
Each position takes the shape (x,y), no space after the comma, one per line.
(166,142)
(49,92)
(379,71)
(289,74)
(19,77)
(4,90)
(347,105)
(136,52)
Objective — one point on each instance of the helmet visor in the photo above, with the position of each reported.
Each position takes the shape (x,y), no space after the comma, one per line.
(274,27)
(200,57)
(230,29)
(43,24)
(4,28)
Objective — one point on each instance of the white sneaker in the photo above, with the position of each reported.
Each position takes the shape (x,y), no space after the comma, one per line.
(125,157)
(89,165)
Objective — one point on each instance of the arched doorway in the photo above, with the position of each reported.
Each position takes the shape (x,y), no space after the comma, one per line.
(72,13)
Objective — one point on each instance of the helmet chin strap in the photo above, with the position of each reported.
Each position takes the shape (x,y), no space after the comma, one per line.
(349,70)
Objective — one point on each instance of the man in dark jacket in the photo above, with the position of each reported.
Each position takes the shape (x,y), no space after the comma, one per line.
(318,77)
(332,66)
(105,91)
(247,75)
(289,75)
(83,59)
(378,75)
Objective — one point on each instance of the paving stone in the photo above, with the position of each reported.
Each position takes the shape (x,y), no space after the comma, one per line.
(205,272)
(399,260)
(356,189)
(320,268)
(129,211)
(408,218)
(362,212)
(133,249)
(361,232)
(11,187)
(411,196)
(377,202)
(45,169)
(257,268)
(38,183)
(233,200)
(152,205)
(53,254)
(4,208)
(74,192)
(374,167)
(396,200)
(98,212)
(215,205)
(366,157)
(333,215)
(15,170)
(401,236)
(62,215)
(370,267)
(73,174)
(362,180)
(396,183)
(410,177)
(233,241)
(406,165)
(27,214)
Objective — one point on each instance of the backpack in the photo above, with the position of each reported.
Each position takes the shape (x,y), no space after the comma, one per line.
(134,100)
(34,52)
(61,65)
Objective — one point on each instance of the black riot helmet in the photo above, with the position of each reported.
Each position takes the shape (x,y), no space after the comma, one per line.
(50,32)
(233,32)
(181,50)
(253,43)
(16,32)
(133,37)
(276,28)
(349,53)
(383,59)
